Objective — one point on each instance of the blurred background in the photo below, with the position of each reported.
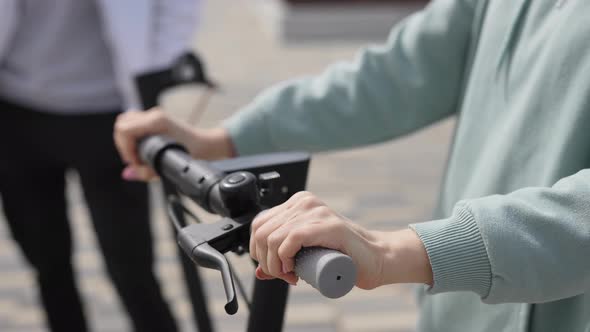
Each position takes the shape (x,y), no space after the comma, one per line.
(247,46)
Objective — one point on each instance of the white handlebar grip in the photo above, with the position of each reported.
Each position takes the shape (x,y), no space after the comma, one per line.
(329,271)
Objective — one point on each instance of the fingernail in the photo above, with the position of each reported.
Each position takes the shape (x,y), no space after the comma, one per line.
(284,268)
(129,174)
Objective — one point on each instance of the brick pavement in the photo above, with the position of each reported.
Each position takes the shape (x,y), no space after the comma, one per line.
(396,187)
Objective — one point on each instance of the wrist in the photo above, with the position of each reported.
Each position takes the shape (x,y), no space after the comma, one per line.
(405,259)
(211,144)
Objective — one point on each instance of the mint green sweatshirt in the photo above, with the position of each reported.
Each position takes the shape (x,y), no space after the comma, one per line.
(510,250)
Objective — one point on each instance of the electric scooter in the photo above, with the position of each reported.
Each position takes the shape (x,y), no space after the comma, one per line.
(237,190)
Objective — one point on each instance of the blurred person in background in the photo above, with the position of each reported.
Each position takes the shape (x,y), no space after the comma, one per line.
(66,71)
(510,244)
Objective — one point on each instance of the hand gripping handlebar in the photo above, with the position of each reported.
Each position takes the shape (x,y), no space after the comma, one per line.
(238,197)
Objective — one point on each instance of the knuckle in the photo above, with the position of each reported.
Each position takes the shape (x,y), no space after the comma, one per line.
(283,254)
(273,241)
(260,238)
(121,127)
(125,115)
(256,224)
(298,235)
(322,210)
(309,202)
(120,117)
(299,195)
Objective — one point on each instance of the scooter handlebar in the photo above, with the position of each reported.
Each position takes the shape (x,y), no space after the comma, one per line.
(331,272)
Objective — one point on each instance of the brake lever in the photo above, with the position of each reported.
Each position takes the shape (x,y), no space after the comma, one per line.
(205,244)
(206,256)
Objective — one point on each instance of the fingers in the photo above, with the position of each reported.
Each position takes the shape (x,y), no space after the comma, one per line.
(290,277)
(304,236)
(129,128)
(273,262)
(260,245)
(268,238)
(133,125)
(279,233)
(266,215)
(138,173)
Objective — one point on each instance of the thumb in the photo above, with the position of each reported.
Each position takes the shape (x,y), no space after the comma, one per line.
(138,173)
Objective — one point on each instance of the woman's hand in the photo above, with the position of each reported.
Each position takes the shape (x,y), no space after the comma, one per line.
(305,221)
(134,125)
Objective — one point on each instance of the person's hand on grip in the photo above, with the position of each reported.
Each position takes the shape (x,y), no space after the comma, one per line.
(131,126)
(304,221)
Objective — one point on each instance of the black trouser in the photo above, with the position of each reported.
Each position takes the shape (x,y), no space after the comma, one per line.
(36,149)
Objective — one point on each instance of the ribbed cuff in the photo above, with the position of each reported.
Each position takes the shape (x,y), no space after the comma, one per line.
(457,253)
(248,132)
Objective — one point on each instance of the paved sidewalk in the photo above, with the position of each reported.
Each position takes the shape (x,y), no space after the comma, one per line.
(385,186)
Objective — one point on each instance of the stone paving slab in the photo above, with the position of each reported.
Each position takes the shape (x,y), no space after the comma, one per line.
(396,187)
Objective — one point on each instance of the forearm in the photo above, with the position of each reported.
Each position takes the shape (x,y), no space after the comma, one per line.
(210,144)
(409,82)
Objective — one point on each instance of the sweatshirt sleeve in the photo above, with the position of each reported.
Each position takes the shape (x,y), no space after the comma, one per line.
(175,22)
(412,80)
(532,245)
(9,10)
